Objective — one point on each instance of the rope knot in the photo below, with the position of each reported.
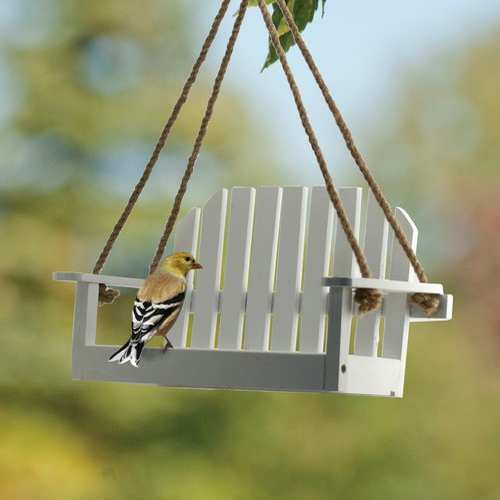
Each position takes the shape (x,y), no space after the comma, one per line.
(107,295)
(368,299)
(429,302)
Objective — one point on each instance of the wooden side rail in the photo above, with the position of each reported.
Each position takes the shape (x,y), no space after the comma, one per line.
(390,286)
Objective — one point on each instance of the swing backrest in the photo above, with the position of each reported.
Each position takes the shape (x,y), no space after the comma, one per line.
(265,252)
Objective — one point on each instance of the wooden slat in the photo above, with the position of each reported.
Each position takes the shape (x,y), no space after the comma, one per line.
(262,270)
(185,240)
(317,261)
(84,323)
(289,269)
(396,308)
(208,280)
(236,271)
(202,368)
(344,261)
(400,265)
(375,248)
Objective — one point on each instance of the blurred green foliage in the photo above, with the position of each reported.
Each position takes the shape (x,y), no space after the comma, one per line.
(441,157)
(93,82)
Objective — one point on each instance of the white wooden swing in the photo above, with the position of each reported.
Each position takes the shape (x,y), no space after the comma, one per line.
(285,317)
(264,266)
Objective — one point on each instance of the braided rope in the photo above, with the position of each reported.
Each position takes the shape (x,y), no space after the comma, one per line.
(429,302)
(163,137)
(367,299)
(200,137)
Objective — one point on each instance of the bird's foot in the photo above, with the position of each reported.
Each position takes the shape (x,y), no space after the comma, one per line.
(168,345)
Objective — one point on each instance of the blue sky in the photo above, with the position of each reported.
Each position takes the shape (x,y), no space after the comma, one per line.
(363,49)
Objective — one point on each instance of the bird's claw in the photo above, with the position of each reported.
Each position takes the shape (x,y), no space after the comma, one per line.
(168,345)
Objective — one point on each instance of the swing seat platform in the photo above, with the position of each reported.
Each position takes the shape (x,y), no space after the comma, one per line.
(282,317)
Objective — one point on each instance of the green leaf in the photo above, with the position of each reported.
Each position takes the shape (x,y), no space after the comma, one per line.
(253,3)
(303,13)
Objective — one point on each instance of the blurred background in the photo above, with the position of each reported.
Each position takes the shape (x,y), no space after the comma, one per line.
(85,88)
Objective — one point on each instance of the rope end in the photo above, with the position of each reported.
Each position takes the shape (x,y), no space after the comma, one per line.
(429,302)
(107,295)
(368,299)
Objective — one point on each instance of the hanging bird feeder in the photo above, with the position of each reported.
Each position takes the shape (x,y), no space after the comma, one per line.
(302,300)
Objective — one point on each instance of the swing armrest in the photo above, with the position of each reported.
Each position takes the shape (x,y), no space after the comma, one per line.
(444,312)
(392,286)
(118,281)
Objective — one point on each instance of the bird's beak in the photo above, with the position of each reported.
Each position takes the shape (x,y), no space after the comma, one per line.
(197,265)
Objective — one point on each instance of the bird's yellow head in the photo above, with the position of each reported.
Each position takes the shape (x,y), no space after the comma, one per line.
(179,264)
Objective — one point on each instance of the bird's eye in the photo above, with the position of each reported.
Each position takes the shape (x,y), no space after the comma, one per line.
(187,259)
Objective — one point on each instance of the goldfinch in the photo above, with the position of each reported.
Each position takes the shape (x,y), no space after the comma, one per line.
(157,305)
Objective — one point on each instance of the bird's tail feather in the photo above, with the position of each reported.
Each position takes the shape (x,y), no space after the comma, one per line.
(130,351)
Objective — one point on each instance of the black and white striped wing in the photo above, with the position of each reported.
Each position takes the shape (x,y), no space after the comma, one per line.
(147,316)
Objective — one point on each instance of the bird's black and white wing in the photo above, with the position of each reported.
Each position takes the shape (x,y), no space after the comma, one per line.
(148,316)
